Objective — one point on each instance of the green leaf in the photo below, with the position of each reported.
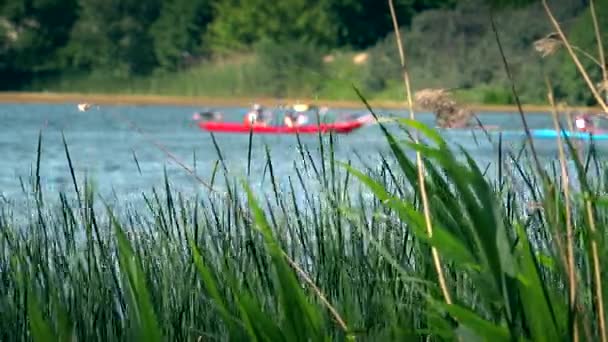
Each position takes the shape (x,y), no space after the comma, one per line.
(438,325)
(303,320)
(40,328)
(263,325)
(212,288)
(143,311)
(429,132)
(66,331)
(449,246)
(408,168)
(534,295)
(486,330)
(442,239)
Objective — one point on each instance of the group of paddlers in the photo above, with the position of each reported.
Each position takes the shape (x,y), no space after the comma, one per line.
(260,116)
(448,114)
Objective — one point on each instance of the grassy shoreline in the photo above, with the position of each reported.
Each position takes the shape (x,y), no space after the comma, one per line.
(124,99)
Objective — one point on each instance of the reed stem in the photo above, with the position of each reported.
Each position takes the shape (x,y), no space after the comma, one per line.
(317,291)
(577,62)
(420,167)
(596,271)
(589,210)
(600,49)
(569,231)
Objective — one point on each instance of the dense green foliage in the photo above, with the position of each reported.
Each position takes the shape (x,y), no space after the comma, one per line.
(130,37)
(265,48)
(458,49)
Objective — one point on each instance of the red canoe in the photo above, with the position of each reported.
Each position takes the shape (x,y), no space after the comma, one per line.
(236,127)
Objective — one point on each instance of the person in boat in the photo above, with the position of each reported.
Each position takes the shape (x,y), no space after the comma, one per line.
(296,117)
(301,119)
(299,116)
(256,116)
(585,123)
(253,116)
(291,119)
(591,123)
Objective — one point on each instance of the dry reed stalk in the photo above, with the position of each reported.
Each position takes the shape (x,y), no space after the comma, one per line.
(600,48)
(552,42)
(569,231)
(596,271)
(567,111)
(548,45)
(594,247)
(431,97)
(420,167)
(603,86)
(577,62)
(318,292)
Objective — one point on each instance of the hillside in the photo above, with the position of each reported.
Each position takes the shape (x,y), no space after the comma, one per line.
(450,46)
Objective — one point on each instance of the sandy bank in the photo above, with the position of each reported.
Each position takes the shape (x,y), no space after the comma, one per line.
(111,99)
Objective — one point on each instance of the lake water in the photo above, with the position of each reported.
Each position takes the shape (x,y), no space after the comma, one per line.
(103,144)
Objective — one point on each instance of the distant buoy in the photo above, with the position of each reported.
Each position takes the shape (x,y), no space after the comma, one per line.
(196,116)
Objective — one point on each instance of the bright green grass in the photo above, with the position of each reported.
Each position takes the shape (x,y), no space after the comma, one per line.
(218,79)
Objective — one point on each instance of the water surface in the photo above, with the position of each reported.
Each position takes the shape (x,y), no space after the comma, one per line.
(103,145)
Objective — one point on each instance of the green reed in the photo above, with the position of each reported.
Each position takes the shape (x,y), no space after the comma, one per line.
(304,263)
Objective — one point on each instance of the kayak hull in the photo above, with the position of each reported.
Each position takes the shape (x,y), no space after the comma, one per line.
(233,127)
(551,133)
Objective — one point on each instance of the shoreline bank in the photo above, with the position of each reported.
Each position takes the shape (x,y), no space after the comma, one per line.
(128,99)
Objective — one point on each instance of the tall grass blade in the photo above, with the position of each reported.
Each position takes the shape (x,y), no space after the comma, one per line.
(142,311)
(40,328)
(303,319)
(441,239)
(476,325)
(249,148)
(212,288)
(72,173)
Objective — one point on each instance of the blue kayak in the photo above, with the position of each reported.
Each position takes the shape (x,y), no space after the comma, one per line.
(546,133)
(552,134)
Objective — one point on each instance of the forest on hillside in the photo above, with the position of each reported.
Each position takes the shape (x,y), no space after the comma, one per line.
(450,44)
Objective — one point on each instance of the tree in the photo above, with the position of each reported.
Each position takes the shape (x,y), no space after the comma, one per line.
(582,35)
(113,35)
(179,30)
(238,24)
(31,33)
(362,22)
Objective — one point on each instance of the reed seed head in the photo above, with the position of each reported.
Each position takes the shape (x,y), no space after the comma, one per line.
(548,45)
(602,86)
(447,112)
